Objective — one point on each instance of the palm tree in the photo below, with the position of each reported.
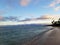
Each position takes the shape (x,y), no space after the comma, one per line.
(53,21)
(56,22)
(59,19)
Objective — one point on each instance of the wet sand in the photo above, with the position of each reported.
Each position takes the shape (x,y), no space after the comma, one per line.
(50,37)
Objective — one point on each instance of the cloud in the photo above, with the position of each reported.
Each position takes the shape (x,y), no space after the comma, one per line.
(55,5)
(25,2)
(52,4)
(57,8)
(50,16)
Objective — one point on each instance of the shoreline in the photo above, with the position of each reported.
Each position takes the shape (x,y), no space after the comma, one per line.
(49,37)
(35,38)
(54,25)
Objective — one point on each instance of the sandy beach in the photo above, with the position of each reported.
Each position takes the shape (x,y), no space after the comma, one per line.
(50,37)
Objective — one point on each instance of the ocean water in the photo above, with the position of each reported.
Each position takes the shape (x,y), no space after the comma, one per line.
(20,34)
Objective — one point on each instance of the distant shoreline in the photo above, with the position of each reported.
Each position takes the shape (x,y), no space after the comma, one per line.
(35,38)
(57,25)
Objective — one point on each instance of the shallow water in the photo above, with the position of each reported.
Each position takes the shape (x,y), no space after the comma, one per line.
(49,37)
(18,35)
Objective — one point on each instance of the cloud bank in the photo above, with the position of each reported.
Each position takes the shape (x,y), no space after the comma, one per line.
(55,5)
(49,16)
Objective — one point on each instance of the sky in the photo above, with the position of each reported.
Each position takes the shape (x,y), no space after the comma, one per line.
(29,8)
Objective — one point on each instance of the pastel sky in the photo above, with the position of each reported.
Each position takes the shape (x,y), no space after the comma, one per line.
(29,8)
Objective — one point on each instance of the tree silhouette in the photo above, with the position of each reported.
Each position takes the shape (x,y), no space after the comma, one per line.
(56,22)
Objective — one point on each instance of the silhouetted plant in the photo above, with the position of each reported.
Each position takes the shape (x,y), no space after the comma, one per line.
(53,21)
(56,22)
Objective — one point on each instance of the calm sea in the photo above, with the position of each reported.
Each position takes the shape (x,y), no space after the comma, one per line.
(20,34)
